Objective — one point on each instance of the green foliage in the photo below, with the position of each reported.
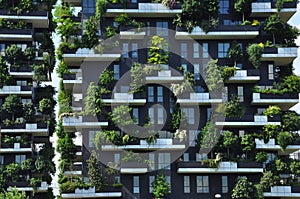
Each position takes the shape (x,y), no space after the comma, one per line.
(227,72)
(95,171)
(13,194)
(209,136)
(290,121)
(213,79)
(137,78)
(234,107)
(242,6)
(271,111)
(46,106)
(158,52)
(284,139)
(111,31)
(101,7)
(291,84)
(267,180)
(92,102)
(40,73)
(229,140)
(295,167)
(27,165)
(67,28)
(248,143)
(255,52)
(178,119)
(12,171)
(261,156)
(161,187)
(62,69)
(270,131)
(90,37)
(69,186)
(66,148)
(4,74)
(235,52)
(13,53)
(211,163)
(106,77)
(243,189)
(120,116)
(13,105)
(29,54)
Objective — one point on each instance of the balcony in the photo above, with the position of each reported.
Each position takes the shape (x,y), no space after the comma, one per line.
(145,10)
(76,123)
(133,167)
(91,193)
(244,76)
(16,35)
(85,54)
(248,121)
(164,76)
(38,129)
(221,32)
(24,186)
(273,146)
(76,3)
(225,167)
(76,169)
(284,101)
(160,144)
(131,33)
(281,56)
(124,98)
(21,71)
(38,19)
(18,90)
(283,192)
(265,9)
(16,148)
(199,98)
(70,80)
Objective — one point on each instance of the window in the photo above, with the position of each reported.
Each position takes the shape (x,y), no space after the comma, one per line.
(148,28)
(151,180)
(21,83)
(133,1)
(271,71)
(230,22)
(241,93)
(199,89)
(190,115)
(184,67)
(118,179)
(91,138)
(136,184)
(162,28)
(202,184)
(88,6)
(150,94)
(125,50)
(241,133)
(134,51)
(160,116)
(151,115)
(117,159)
(186,184)
(1,160)
(196,50)
(224,6)
(186,157)
(160,96)
(193,137)
(152,160)
(225,94)
(2,48)
(204,68)
(224,184)
(223,49)
(135,114)
(183,50)
(205,50)
(24,101)
(164,161)
(196,71)
(19,159)
(116,72)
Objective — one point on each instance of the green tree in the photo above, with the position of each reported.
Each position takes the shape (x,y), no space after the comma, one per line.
(12,171)
(46,106)
(40,73)
(290,121)
(66,148)
(90,38)
(235,52)
(242,6)
(271,111)
(255,52)
(274,25)
(295,167)
(26,5)
(29,54)
(13,53)
(291,84)
(243,189)
(261,156)
(213,78)
(92,102)
(95,171)
(13,105)
(120,116)
(101,7)
(4,74)
(13,194)
(234,107)
(67,28)
(158,53)
(248,143)
(161,187)
(229,140)
(284,139)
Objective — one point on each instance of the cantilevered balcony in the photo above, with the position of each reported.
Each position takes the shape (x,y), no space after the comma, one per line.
(283,192)
(281,56)
(125,98)
(38,19)
(225,167)
(284,101)
(21,71)
(70,80)
(92,193)
(160,144)
(164,76)
(273,146)
(18,90)
(265,9)
(248,121)
(131,33)
(25,186)
(244,76)
(76,169)
(148,9)
(76,123)
(76,3)
(37,129)
(198,98)
(16,148)
(16,35)
(221,32)
(85,54)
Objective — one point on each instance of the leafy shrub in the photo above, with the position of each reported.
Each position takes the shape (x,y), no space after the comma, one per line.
(271,111)
(255,52)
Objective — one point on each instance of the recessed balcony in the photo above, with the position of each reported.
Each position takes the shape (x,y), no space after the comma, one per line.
(284,101)
(145,10)
(124,98)
(221,32)
(21,71)
(280,56)
(38,19)
(76,169)
(244,76)
(76,123)
(273,146)
(17,90)
(92,193)
(283,192)
(16,148)
(16,35)
(265,9)
(25,186)
(224,167)
(248,121)
(164,76)
(199,98)
(38,129)
(70,80)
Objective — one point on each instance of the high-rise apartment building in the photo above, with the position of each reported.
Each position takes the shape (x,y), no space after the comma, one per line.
(178,99)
